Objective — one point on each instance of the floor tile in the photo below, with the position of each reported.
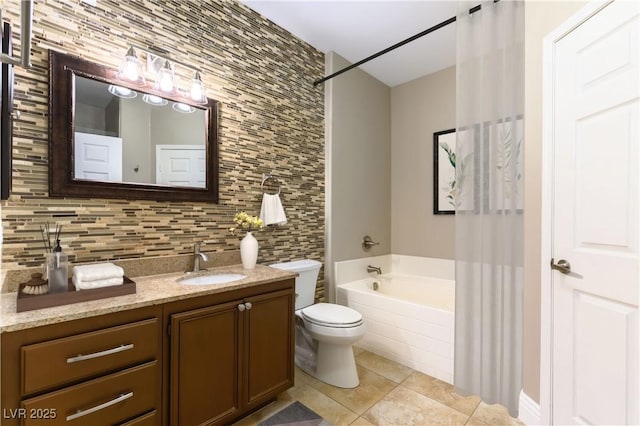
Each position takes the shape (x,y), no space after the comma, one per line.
(302,378)
(324,406)
(403,406)
(383,366)
(263,413)
(389,394)
(372,389)
(495,415)
(442,392)
(361,421)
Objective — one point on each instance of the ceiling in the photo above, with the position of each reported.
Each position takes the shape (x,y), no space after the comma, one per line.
(356,29)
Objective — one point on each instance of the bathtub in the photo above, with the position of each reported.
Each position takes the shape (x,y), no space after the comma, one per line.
(410,317)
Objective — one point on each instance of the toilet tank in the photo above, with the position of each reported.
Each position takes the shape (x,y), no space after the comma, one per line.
(307,270)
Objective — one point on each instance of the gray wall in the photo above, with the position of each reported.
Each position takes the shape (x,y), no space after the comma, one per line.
(358,152)
(540,19)
(136,137)
(418,109)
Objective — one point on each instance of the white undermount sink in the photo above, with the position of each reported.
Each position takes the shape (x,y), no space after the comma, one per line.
(212,279)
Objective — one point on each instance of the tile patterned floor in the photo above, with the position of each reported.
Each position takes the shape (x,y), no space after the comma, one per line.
(389,394)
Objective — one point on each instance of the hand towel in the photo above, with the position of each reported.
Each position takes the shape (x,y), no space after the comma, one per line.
(97,271)
(87,285)
(272,212)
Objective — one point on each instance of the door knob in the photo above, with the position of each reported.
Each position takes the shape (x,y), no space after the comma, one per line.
(241,307)
(248,305)
(562,266)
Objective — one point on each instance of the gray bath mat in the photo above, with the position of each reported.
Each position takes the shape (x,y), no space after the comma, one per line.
(295,414)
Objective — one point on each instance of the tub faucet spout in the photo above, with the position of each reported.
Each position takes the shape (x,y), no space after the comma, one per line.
(375,269)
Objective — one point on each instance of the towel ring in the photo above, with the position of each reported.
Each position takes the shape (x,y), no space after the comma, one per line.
(266,178)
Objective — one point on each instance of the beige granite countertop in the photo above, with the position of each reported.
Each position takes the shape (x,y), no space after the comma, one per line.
(150,290)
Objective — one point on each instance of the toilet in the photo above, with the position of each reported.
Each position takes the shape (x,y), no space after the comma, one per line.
(325,332)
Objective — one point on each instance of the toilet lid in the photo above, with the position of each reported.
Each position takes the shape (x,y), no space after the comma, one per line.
(332,315)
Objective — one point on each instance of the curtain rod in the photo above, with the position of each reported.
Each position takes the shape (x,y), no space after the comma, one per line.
(395,46)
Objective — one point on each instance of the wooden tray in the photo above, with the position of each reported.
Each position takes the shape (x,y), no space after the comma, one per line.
(29,302)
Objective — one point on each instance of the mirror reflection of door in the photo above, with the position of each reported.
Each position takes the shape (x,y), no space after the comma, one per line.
(98,157)
(142,127)
(181,165)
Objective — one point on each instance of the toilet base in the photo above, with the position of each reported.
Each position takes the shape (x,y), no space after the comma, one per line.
(335,366)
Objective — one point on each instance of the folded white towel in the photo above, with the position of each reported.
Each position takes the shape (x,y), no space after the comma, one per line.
(272,212)
(97,271)
(87,285)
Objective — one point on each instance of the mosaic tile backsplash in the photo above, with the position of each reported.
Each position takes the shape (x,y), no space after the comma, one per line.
(271,121)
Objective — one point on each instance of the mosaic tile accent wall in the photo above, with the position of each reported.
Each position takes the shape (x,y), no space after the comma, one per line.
(271,121)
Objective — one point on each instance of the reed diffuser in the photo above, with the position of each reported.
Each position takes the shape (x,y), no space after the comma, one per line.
(56,262)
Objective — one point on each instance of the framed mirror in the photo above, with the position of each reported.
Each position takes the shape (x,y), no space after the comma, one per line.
(111,139)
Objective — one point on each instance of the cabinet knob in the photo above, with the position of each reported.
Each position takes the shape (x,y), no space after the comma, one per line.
(248,305)
(241,307)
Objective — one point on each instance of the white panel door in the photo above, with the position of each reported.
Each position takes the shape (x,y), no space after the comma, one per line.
(97,157)
(181,165)
(596,188)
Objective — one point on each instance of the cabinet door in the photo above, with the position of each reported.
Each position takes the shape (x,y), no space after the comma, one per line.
(269,347)
(205,349)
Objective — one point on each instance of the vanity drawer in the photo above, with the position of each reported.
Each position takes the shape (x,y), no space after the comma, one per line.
(148,419)
(62,361)
(105,401)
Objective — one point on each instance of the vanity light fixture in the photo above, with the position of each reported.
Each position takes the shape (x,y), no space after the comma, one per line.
(161,71)
(131,68)
(122,92)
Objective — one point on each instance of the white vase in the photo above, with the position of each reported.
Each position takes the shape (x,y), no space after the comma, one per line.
(249,251)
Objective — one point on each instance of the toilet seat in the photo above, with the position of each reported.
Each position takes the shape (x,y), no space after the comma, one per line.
(332,315)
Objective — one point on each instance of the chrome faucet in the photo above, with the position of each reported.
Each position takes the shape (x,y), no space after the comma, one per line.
(197,255)
(375,269)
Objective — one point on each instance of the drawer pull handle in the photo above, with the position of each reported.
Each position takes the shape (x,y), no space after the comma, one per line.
(82,413)
(115,350)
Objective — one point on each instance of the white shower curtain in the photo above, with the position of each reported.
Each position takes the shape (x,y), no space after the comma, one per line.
(489,201)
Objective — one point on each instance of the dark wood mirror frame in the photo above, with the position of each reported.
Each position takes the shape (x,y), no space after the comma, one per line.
(62,69)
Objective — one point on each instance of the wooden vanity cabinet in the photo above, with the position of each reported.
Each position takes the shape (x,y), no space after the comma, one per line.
(229,353)
(204,360)
(99,370)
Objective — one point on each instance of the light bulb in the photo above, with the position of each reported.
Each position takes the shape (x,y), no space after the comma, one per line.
(197,89)
(130,68)
(130,71)
(165,78)
(166,83)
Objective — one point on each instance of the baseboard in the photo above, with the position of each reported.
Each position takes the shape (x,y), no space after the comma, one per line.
(528,410)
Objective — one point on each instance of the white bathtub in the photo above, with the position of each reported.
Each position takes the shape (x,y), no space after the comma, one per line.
(410,317)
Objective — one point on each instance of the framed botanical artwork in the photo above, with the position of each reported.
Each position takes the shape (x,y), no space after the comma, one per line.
(506,157)
(444,172)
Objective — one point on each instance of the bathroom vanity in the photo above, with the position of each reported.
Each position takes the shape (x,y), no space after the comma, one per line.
(171,354)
